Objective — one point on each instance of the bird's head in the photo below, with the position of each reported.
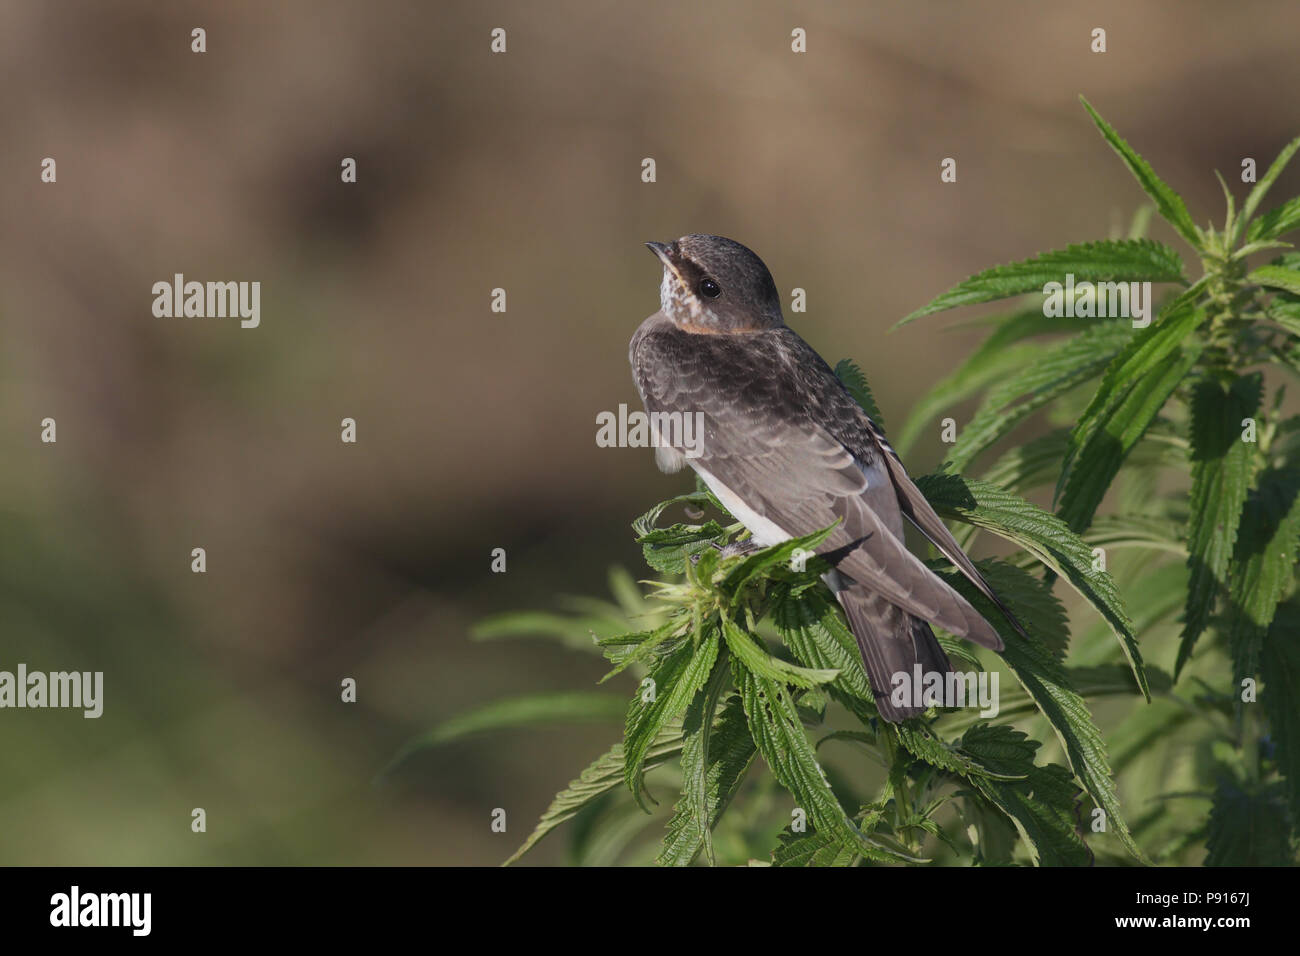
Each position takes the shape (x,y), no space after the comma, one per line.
(713,285)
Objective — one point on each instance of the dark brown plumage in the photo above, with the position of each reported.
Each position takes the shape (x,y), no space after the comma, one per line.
(786,445)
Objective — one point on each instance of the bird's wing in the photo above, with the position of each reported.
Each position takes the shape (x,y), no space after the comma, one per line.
(919,512)
(760,444)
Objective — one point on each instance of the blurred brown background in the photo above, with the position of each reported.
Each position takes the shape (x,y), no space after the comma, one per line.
(476,430)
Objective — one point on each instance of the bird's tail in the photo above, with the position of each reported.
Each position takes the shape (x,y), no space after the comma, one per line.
(892,642)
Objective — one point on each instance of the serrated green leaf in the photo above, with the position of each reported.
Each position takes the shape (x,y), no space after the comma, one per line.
(669,550)
(1253,247)
(1029,597)
(1276,277)
(1136,531)
(1222,468)
(765,559)
(1042,804)
(1248,827)
(1030,465)
(777,731)
(602,776)
(1261,189)
(648,522)
(810,625)
(603,832)
(1102,679)
(578,633)
(1163,592)
(813,704)
(1285,314)
(853,378)
(713,768)
(1168,203)
(1142,353)
(758,660)
(1132,392)
(1159,451)
(1276,222)
(677,679)
(1288,260)
(1107,680)
(1114,433)
(993,834)
(1058,370)
(525,711)
(1045,537)
(922,742)
(692,810)
(624,650)
(1279,669)
(1229,223)
(1111,260)
(1008,751)
(998,356)
(1039,670)
(1264,562)
(812,849)
(1046,681)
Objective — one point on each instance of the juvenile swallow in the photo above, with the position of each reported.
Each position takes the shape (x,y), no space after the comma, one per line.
(788,451)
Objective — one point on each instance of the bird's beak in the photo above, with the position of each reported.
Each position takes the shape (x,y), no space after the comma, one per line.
(665,253)
(661,250)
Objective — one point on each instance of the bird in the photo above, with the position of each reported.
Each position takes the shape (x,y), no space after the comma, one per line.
(788,451)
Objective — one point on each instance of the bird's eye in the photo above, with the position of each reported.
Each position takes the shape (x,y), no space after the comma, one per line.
(710,288)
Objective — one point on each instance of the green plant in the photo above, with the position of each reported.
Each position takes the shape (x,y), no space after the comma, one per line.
(749,658)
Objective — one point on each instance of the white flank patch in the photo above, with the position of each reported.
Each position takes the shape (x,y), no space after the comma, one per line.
(764,530)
